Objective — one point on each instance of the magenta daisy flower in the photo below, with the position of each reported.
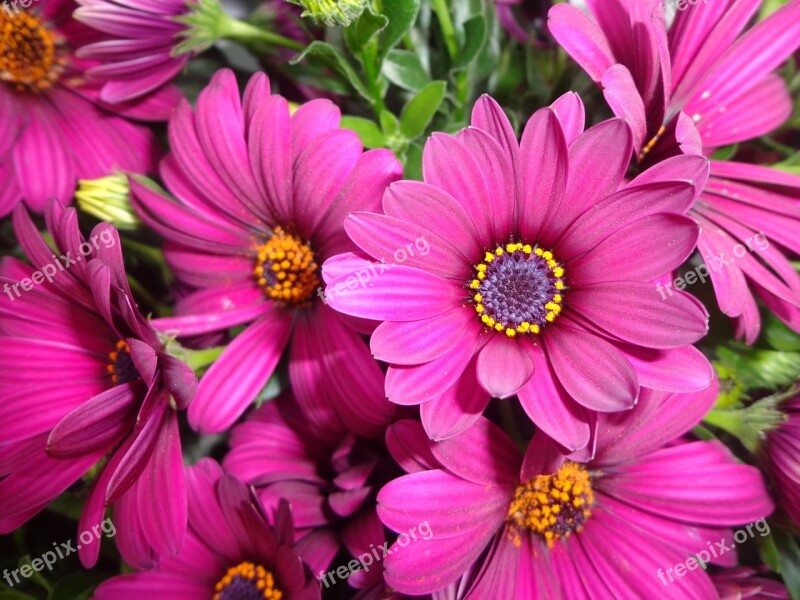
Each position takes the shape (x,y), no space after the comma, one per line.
(692,89)
(544,526)
(260,196)
(231,551)
(330,482)
(740,583)
(532,266)
(136,55)
(52,133)
(70,317)
(779,452)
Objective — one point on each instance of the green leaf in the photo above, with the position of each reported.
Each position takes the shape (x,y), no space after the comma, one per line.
(404,69)
(725,153)
(359,33)
(389,123)
(412,169)
(789,560)
(474,38)
(369,132)
(760,369)
(779,336)
(330,56)
(77,586)
(419,111)
(768,551)
(401,14)
(12,595)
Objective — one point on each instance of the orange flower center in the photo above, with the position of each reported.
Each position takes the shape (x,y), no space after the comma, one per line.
(28,58)
(553,506)
(286,269)
(120,366)
(247,581)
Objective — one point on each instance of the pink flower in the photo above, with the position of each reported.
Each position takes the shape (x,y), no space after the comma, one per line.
(84,376)
(330,480)
(52,131)
(231,550)
(260,199)
(691,89)
(134,53)
(739,583)
(537,277)
(545,526)
(780,454)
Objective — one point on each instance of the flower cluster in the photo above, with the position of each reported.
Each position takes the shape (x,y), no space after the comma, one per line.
(357,300)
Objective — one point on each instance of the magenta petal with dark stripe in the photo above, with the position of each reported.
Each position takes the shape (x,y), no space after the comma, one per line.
(232,543)
(116,399)
(260,195)
(555,258)
(715,77)
(547,527)
(55,130)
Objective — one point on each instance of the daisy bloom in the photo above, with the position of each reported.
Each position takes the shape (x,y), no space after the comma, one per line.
(136,54)
(70,317)
(537,276)
(691,89)
(52,131)
(740,583)
(231,550)
(260,195)
(779,451)
(545,526)
(330,482)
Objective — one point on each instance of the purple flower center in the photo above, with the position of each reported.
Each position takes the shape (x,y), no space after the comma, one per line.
(286,269)
(247,581)
(553,506)
(518,289)
(121,367)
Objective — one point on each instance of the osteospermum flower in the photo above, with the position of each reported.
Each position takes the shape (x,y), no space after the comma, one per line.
(260,199)
(137,53)
(548,527)
(52,132)
(330,481)
(692,89)
(231,551)
(537,276)
(739,583)
(779,451)
(70,317)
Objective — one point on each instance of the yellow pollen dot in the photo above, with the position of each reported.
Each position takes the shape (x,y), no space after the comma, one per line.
(28,51)
(286,269)
(553,506)
(477,297)
(511,332)
(479,308)
(489,257)
(258,576)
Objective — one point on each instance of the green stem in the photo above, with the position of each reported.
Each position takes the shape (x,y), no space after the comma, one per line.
(730,421)
(446,23)
(247,34)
